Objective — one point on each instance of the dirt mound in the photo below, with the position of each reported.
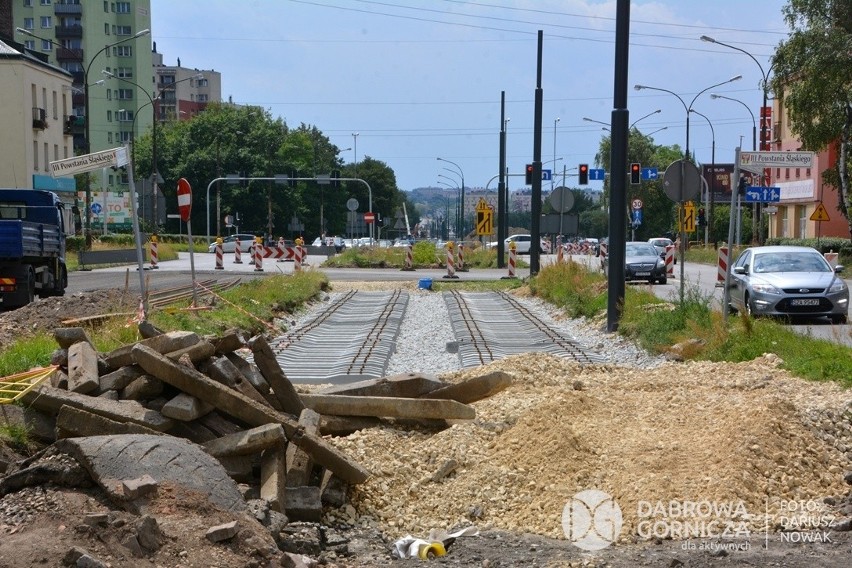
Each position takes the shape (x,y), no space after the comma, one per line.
(696,433)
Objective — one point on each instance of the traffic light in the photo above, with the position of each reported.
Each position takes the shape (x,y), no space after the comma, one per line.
(529,174)
(702,219)
(335,178)
(584,174)
(635,173)
(292,181)
(741,188)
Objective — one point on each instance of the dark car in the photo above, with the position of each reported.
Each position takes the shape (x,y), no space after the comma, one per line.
(788,281)
(641,262)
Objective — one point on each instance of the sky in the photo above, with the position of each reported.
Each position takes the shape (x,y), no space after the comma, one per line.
(409,81)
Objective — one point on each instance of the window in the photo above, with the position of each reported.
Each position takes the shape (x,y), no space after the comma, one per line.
(109,137)
(202,82)
(125,94)
(29,44)
(56,152)
(28,3)
(125,136)
(29,23)
(46,45)
(124,116)
(46,22)
(55,106)
(109,116)
(122,30)
(109,94)
(124,72)
(122,7)
(122,51)
(106,6)
(35,154)
(798,172)
(106,29)
(46,157)
(202,98)
(45,2)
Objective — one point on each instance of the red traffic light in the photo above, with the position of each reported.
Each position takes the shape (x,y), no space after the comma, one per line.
(583,176)
(635,173)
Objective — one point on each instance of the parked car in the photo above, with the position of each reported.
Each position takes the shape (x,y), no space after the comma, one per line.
(641,262)
(522,244)
(660,243)
(787,281)
(229,243)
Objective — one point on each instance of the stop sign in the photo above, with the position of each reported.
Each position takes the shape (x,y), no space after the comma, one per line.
(369,217)
(184,196)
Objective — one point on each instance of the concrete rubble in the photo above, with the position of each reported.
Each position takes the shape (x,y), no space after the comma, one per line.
(178,408)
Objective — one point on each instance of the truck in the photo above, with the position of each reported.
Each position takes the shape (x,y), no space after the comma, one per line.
(32,246)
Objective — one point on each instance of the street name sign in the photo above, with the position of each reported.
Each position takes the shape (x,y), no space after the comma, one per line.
(777,159)
(116,157)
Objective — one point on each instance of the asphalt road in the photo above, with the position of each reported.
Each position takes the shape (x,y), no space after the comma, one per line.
(698,278)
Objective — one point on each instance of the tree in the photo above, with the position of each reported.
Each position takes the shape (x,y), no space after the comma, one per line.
(812,78)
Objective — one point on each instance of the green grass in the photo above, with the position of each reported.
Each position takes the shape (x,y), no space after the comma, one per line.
(23,355)
(424,254)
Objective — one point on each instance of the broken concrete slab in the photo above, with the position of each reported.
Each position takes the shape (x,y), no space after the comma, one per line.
(273,472)
(388,407)
(243,408)
(50,400)
(300,464)
(120,378)
(474,389)
(68,336)
(143,387)
(82,368)
(345,425)
(74,422)
(197,352)
(303,503)
(229,341)
(332,490)
(250,441)
(165,343)
(268,365)
(223,370)
(407,385)
(251,373)
(222,532)
(138,487)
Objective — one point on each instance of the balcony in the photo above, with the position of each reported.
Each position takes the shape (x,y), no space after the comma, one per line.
(67,9)
(74,124)
(72,31)
(39,118)
(65,54)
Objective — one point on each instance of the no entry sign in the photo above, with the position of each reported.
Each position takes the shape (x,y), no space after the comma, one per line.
(184,196)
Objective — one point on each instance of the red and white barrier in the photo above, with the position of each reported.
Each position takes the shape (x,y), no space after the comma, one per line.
(513,259)
(670,255)
(238,254)
(297,258)
(722,266)
(219,263)
(258,257)
(603,251)
(559,249)
(461,258)
(154,254)
(409,257)
(451,269)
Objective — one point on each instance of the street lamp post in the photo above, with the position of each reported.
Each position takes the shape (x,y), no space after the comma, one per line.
(554,151)
(711,190)
(461,173)
(458,196)
(587,119)
(87,224)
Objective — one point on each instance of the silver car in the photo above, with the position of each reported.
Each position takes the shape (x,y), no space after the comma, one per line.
(788,281)
(229,243)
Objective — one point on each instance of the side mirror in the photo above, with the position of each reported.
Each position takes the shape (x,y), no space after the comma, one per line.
(739,270)
(839,268)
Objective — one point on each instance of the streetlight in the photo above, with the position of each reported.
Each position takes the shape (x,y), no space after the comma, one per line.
(461,173)
(685,107)
(753,121)
(712,189)
(657,130)
(154,168)
(456,187)
(138,34)
(554,150)
(587,119)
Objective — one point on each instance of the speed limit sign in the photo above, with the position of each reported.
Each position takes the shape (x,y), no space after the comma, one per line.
(637,204)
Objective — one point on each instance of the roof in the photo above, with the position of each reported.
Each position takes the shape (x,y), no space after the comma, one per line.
(10,52)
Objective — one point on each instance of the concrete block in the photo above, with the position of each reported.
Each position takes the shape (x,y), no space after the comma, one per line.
(74,422)
(139,487)
(332,490)
(268,365)
(476,388)
(383,406)
(299,463)
(273,472)
(165,343)
(255,440)
(186,408)
(222,532)
(407,385)
(68,336)
(303,503)
(120,378)
(142,388)
(82,368)
(250,372)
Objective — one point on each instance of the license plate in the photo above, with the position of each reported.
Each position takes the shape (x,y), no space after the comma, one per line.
(805,302)
(643,274)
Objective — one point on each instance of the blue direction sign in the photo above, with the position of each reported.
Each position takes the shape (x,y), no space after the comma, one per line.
(597,174)
(545,175)
(96,208)
(636,217)
(649,173)
(756,194)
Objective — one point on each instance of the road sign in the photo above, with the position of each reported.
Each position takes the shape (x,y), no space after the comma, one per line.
(96,208)
(184,197)
(561,199)
(484,222)
(545,175)
(636,218)
(597,174)
(777,159)
(820,213)
(115,157)
(688,218)
(352,204)
(369,217)
(682,182)
(754,194)
(636,203)
(649,173)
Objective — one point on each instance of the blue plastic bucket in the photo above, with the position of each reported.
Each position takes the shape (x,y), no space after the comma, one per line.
(424,284)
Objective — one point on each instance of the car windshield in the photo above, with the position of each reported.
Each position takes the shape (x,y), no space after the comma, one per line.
(640,249)
(790,262)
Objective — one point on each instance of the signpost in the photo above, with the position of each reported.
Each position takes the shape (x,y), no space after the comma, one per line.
(369,217)
(184,198)
(754,194)
(776,159)
(484,218)
(649,173)
(597,174)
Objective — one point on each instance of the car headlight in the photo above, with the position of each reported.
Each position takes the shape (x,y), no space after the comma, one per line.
(661,263)
(837,286)
(766,289)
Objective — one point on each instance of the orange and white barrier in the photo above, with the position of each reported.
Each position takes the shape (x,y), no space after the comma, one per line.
(670,255)
(409,257)
(461,257)
(603,251)
(451,269)
(722,267)
(154,257)
(559,249)
(219,263)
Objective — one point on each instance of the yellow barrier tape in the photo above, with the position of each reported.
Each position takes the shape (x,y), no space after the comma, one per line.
(15,386)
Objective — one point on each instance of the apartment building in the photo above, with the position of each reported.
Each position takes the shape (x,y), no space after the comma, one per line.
(184,92)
